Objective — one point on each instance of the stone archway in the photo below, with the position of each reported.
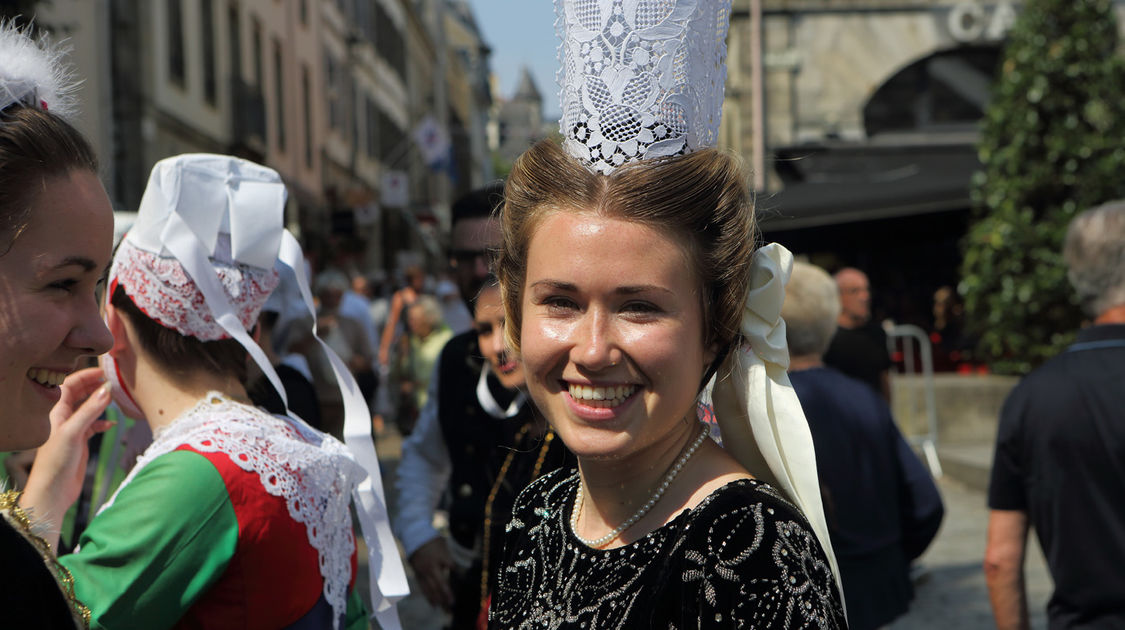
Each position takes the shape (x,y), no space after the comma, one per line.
(946,91)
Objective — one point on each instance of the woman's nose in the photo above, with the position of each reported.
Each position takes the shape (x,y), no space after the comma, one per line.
(595,347)
(91,335)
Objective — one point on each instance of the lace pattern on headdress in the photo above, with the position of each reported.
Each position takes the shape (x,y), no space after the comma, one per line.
(312,471)
(161,288)
(640,78)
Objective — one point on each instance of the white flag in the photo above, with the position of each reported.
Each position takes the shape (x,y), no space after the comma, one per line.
(433,141)
(395,189)
(366,215)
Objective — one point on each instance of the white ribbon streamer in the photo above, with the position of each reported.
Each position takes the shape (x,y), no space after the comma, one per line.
(761,419)
(388,576)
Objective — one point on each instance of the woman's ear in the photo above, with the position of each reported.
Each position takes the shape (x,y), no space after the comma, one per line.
(711,353)
(117,327)
(713,357)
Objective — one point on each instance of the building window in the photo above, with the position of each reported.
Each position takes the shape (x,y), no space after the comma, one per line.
(279,93)
(332,90)
(176,60)
(235,41)
(371,127)
(306,103)
(207,19)
(391,140)
(303,12)
(363,19)
(389,42)
(257,52)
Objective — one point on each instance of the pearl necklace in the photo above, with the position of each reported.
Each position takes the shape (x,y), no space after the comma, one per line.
(629,522)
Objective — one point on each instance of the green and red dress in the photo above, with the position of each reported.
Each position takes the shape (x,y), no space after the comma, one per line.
(232,518)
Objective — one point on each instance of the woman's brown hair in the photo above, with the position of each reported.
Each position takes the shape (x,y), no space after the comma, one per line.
(702,200)
(35,146)
(178,355)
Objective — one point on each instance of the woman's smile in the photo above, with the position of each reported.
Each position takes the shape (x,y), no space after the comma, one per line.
(599,404)
(611,335)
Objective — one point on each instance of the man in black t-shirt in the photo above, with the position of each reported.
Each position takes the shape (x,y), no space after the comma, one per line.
(859,348)
(1060,452)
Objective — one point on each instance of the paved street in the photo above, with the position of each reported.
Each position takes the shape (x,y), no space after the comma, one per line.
(951,591)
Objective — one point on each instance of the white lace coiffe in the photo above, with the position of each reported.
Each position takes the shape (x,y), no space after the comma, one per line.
(640,78)
(160,287)
(312,471)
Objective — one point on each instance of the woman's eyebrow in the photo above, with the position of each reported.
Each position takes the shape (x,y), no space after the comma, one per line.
(641,288)
(633,289)
(81,261)
(555,284)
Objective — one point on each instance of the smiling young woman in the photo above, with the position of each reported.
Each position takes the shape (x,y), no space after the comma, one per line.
(624,294)
(55,247)
(56,235)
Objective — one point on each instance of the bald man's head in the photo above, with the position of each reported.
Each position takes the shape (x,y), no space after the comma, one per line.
(855,297)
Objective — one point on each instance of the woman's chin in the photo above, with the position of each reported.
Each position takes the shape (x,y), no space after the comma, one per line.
(27,436)
(595,443)
(512,379)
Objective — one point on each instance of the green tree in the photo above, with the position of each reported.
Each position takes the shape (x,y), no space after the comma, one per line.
(1052,144)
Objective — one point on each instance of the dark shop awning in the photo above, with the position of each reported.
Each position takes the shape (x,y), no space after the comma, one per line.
(828,184)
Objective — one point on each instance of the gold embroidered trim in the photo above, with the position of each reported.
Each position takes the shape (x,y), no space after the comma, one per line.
(14,514)
(547,439)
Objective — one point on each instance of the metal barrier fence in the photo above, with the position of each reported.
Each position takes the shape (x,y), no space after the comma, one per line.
(921,399)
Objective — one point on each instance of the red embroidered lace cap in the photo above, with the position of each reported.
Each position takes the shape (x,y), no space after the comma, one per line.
(164,291)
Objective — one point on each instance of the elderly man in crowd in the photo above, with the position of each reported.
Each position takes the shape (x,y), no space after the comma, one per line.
(859,348)
(883,508)
(1060,452)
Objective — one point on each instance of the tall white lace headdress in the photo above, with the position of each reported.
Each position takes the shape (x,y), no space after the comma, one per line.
(640,78)
(644,79)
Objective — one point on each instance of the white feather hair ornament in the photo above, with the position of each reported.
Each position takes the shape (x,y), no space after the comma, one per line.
(33,72)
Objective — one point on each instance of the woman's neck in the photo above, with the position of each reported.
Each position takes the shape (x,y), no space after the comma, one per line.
(164,398)
(613,490)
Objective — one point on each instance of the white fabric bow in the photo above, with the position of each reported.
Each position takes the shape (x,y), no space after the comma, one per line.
(761,420)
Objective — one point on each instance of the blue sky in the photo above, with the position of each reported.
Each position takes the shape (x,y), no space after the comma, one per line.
(521,32)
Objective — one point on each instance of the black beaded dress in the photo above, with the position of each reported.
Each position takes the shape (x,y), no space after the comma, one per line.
(743,558)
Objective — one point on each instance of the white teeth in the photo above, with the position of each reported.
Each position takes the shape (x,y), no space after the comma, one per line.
(609,396)
(43,376)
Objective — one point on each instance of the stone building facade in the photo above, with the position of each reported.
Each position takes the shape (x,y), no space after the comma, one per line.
(327,92)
